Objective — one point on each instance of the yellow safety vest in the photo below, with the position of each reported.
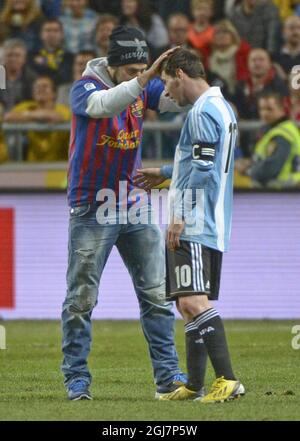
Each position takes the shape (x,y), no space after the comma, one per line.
(264,148)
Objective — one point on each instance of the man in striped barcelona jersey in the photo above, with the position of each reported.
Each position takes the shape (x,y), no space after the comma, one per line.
(200,199)
(108,105)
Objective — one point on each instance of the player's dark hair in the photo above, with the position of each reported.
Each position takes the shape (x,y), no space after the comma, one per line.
(188,61)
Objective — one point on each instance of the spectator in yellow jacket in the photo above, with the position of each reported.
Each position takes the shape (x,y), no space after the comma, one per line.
(46,146)
(276,157)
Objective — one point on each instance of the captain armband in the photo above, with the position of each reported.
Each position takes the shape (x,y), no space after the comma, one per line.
(203,151)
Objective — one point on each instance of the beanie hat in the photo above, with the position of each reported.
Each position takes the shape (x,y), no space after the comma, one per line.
(127,45)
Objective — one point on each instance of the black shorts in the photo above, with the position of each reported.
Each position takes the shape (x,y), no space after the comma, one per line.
(193,269)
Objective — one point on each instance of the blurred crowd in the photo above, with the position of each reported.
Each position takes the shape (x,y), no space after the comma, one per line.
(250,48)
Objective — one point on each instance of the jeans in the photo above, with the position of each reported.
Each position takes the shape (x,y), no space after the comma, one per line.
(142,250)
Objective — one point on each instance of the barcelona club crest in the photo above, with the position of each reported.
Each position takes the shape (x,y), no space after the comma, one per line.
(137,108)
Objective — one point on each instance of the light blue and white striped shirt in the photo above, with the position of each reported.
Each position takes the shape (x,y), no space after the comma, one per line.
(203,165)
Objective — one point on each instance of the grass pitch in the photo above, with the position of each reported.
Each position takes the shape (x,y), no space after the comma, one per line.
(31,384)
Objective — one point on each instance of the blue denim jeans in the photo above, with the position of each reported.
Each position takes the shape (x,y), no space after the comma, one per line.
(142,250)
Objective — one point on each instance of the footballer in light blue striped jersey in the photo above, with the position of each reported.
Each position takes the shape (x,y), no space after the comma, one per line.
(200,208)
(204,161)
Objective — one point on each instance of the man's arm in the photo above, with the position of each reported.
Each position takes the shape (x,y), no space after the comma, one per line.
(107,103)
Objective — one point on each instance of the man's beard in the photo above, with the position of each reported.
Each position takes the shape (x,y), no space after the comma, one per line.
(115,78)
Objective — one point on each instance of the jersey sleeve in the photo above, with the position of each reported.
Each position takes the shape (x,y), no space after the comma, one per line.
(204,132)
(166,171)
(80,93)
(154,90)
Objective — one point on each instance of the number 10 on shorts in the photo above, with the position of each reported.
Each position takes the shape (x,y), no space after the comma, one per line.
(183,276)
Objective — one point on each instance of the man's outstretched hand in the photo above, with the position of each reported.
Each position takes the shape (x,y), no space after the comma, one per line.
(154,70)
(147,178)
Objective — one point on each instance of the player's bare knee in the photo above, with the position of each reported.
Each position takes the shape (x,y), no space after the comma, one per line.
(191,306)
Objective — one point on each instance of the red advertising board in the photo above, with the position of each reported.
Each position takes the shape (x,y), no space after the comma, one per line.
(7,294)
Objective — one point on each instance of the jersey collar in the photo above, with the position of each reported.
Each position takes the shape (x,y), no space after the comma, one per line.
(212,91)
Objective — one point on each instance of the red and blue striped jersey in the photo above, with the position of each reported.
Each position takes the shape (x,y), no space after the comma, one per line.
(105,151)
